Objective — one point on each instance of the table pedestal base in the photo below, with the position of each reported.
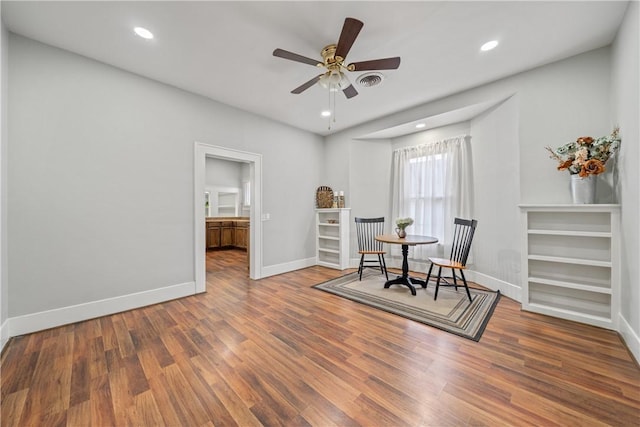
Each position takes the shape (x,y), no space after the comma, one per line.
(406,281)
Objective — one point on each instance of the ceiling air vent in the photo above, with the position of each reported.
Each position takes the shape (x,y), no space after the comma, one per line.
(370,79)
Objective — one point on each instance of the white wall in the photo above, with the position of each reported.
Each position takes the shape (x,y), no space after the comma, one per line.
(559,103)
(369,186)
(496,180)
(625,107)
(223,173)
(368,192)
(336,167)
(4,288)
(101,184)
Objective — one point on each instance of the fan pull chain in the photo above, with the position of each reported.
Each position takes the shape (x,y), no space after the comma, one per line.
(330,111)
(334,106)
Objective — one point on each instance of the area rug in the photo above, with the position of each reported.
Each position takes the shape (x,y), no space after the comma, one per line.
(451,312)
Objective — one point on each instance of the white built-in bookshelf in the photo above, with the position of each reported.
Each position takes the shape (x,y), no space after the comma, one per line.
(571,262)
(332,238)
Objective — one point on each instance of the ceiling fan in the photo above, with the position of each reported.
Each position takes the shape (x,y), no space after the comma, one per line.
(334,56)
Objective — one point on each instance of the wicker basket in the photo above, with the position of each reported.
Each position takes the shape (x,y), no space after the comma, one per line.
(324,197)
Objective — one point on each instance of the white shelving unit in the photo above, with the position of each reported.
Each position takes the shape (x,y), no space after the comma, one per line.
(571,262)
(332,238)
(227,204)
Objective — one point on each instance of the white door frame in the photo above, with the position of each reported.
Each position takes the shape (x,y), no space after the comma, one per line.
(201,152)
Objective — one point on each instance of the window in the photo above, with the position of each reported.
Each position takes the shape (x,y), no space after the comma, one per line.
(425,192)
(432,185)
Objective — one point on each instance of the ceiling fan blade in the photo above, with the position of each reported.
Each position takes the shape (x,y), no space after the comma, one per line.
(307,85)
(280,53)
(350,91)
(350,31)
(376,64)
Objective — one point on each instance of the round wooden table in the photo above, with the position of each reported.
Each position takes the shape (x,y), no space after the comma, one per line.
(409,240)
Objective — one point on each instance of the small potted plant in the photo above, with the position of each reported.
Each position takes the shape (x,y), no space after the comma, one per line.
(403,223)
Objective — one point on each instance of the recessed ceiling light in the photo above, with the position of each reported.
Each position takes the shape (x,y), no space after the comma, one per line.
(143,32)
(325,113)
(420,125)
(489,45)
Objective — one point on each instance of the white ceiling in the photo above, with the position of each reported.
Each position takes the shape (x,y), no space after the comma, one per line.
(223,50)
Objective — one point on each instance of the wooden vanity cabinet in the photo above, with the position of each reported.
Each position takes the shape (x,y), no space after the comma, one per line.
(242,232)
(213,235)
(227,234)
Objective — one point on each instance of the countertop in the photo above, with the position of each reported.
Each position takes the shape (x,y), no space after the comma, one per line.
(242,219)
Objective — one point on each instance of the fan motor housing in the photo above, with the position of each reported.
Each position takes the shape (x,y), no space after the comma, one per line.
(329,58)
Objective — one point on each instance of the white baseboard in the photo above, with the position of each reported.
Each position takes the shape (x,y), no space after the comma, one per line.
(272,270)
(507,289)
(4,334)
(630,337)
(76,313)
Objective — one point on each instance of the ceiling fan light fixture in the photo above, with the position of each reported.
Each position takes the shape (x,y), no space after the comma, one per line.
(334,81)
(325,113)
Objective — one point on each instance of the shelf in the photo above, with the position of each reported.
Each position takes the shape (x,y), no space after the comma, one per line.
(570,260)
(577,316)
(573,274)
(569,285)
(578,301)
(331,251)
(332,238)
(329,264)
(577,219)
(563,207)
(571,233)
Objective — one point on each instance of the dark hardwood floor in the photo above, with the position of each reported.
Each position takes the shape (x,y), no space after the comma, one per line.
(277,352)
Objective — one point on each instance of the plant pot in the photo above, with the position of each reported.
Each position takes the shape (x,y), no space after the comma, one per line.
(401,233)
(583,190)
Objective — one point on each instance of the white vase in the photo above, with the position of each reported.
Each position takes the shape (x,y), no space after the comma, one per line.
(583,190)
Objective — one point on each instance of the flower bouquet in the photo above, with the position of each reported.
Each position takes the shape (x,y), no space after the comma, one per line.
(586,156)
(403,223)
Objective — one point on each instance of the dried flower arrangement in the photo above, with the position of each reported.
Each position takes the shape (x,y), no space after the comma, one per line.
(586,156)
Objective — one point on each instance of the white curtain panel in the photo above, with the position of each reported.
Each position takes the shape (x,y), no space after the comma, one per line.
(433,184)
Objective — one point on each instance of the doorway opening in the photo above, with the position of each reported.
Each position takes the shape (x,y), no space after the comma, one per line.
(201,152)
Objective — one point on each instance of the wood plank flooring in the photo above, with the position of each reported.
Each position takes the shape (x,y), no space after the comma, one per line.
(277,352)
